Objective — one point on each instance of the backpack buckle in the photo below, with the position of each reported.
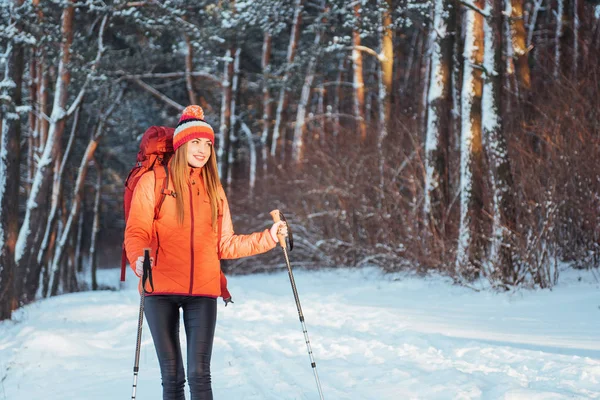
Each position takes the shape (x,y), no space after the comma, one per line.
(169,192)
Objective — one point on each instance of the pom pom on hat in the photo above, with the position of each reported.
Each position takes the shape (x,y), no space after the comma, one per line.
(192,112)
(192,126)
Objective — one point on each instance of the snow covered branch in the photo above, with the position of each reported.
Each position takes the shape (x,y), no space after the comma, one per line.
(370,51)
(473,7)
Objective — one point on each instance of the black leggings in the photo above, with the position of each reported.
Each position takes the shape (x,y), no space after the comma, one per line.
(199,318)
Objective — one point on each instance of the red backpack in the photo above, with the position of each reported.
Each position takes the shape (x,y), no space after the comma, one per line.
(156,148)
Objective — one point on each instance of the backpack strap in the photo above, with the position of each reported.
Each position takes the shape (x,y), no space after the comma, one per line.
(123,263)
(161,174)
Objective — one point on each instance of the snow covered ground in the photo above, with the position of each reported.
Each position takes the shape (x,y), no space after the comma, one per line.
(373,336)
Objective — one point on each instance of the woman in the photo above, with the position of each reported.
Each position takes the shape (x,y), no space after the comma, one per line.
(192,232)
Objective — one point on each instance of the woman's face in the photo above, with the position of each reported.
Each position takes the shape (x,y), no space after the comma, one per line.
(198,152)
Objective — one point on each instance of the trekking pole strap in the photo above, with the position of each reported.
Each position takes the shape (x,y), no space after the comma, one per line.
(147,274)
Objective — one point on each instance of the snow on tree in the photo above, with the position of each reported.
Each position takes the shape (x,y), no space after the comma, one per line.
(470,249)
(225,126)
(439,115)
(500,265)
(278,140)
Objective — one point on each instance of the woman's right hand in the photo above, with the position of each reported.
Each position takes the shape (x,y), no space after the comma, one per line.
(279,228)
(139,265)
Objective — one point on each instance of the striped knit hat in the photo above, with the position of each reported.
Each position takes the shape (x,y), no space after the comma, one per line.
(192,126)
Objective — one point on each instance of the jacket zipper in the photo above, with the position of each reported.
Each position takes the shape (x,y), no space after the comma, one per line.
(192,241)
(157,247)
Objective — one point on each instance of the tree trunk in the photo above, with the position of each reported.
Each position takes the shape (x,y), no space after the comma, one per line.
(57,207)
(576,23)
(410,61)
(470,249)
(510,76)
(383,132)
(266,138)
(10,138)
(439,117)
(189,67)
(500,266)
(44,99)
(425,78)
(58,275)
(57,193)
(70,278)
(34,84)
(95,226)
(371,94)
(537,5)
(278,137)
(386,75)
(358,80)
(233,123)
(252,154)
(519,43)
(559,14)
(300,126)
(321,112)
(338,99)
(39,127)
(78,242)
(29,234)
(225,128)
(569,40)
(457,64)
(387,62)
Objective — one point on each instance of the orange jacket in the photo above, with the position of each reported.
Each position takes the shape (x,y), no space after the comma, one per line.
(186,257)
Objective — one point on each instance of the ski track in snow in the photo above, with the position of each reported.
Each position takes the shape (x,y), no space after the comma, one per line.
(372,337)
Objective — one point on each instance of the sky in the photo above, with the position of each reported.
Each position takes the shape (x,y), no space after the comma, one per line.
(374,336)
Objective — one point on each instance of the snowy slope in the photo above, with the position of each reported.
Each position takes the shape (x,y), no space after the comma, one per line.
(373,338)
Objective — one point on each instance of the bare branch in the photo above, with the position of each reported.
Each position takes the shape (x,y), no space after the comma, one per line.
(337,83)
(150,75)
(93,69)
(138,3)
(77,101)
(100,42)
(158,94)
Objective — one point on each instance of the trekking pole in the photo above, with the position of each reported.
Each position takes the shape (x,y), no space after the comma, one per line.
(147,274)
(278,216)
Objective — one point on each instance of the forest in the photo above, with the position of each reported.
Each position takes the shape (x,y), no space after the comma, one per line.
(455,136)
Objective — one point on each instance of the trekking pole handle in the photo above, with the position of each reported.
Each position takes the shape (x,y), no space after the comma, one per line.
(147,273)
(147,256)
(276,215)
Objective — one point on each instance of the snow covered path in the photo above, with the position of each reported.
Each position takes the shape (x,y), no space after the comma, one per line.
(373,338)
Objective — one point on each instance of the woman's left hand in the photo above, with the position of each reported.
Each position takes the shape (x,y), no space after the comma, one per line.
(279,228)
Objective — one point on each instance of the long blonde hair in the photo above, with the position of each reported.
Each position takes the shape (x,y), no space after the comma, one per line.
(210,176)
